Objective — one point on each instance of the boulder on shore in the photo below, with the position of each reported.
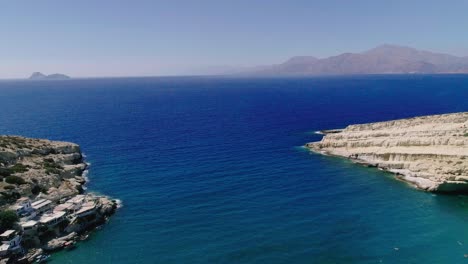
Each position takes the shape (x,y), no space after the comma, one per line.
(59,243)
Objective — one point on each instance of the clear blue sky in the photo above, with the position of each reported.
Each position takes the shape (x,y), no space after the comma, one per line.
(122,38)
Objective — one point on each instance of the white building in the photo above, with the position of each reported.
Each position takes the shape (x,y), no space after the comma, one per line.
(87,209)
(52,219)
(77,201)
(23,206)
(11,242)
(29,227)
(72,205)
(66,207)
(41,206)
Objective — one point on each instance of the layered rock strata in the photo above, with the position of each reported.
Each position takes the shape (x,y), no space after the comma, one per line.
(430,152)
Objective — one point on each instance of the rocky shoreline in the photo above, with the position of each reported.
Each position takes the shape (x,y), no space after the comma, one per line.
(430,152)
(43,203)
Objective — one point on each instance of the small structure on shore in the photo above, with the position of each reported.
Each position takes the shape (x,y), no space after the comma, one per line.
(52,219)
(42,206)
(11,242)
(22,206)
(87,209)
(24,209)
(29,227)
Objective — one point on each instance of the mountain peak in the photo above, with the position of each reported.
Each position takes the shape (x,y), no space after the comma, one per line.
(302,59)
(383,59)
(391,48)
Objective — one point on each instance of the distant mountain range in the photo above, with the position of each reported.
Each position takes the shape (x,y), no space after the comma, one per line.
(385,59)
(55,76)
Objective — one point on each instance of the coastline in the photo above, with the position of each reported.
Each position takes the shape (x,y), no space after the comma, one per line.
(398,175)
(44,186)
(428,152)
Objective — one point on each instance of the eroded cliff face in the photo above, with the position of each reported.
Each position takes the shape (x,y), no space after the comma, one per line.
(31,167)
(430,152)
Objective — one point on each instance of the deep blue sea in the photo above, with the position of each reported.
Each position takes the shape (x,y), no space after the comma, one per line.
(211,170)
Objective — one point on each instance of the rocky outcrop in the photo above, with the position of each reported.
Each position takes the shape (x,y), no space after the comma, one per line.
(39,167)
(105,207)
(430,152)
(59,243)
(51,173)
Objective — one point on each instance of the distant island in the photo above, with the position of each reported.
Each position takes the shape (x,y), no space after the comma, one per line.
(430,152)
(384,59)
(55,76)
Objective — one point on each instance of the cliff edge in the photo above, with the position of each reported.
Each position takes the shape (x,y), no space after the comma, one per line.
(431,152)
(32,167)
(43,198)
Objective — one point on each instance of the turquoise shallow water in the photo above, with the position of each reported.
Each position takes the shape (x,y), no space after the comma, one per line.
(210,170)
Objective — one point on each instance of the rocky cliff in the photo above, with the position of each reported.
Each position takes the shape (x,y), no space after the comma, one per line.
(32,167)
(430,152)
(48,177)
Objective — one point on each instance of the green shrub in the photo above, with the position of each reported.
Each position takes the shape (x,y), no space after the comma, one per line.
(52,171)
(9,187)
(8,218)
(19,168)
(15,180)
(5,172)
(50,160)
(9,197)
(36,189)
(52,165)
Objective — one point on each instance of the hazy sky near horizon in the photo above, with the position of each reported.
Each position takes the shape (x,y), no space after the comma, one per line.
(137,38)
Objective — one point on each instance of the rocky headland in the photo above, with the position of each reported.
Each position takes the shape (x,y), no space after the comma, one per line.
(430,152)
(42,195)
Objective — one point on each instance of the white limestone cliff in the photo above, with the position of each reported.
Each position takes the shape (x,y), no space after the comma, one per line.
(430,152)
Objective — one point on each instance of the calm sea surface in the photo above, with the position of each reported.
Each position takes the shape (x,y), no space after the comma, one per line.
(210,170)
